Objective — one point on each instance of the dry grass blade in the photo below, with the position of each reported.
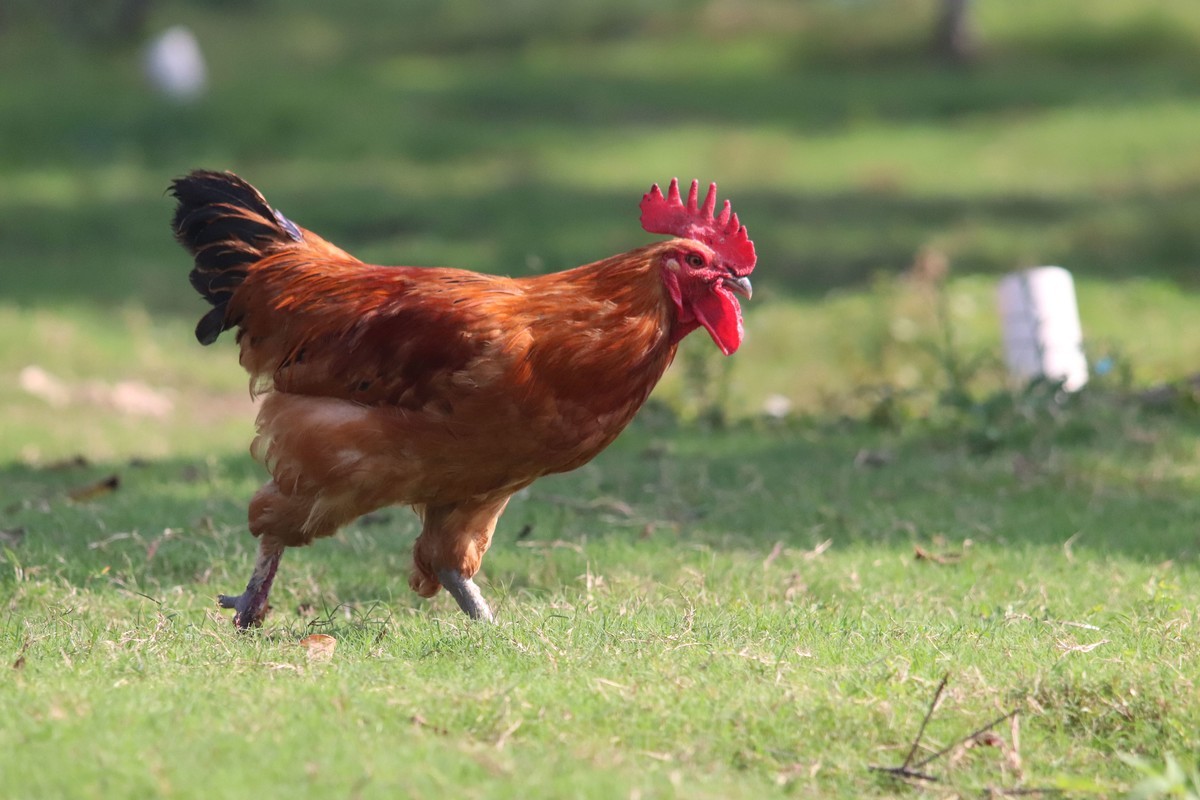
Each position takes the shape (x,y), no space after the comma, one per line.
(420,722)
(600,504)
(90,491)
(19,661)
(922,554)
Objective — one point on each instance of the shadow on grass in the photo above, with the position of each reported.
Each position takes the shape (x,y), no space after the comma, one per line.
(651,497)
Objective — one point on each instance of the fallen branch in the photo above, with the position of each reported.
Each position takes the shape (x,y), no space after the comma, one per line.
(913,771)
(968,738)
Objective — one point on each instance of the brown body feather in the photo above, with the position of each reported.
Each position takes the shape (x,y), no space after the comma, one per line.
(438,388)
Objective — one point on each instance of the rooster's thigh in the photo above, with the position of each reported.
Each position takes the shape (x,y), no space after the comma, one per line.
(454,537)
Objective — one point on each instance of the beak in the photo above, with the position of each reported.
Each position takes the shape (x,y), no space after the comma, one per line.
(739,286)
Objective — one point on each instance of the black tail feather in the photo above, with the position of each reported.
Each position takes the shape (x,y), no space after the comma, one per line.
(227,225)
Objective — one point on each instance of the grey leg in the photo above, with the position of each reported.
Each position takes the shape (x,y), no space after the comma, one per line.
(466,593)
(251,605)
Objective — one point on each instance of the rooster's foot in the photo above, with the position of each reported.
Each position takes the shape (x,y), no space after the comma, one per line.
(249,610)
(466,593)
(251,606)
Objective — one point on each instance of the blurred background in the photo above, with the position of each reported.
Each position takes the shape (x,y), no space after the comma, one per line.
(891,159)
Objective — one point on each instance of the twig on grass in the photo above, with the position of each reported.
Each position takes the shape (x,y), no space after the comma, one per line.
(912,771)
(154,600)
(599,504)
(937,695)
(904,770)
(968,738)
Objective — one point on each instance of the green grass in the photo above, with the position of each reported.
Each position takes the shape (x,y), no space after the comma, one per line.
(730,611)
(415,144)
(655,648)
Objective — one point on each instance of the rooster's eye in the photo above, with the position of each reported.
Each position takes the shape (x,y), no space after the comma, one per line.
(695,261)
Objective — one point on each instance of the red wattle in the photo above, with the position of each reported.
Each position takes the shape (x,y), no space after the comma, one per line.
(721,315)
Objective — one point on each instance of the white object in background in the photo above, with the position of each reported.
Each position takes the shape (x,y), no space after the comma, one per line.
(175,65)
(1042,334)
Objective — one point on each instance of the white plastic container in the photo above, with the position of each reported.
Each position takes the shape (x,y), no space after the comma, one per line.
(1042,333)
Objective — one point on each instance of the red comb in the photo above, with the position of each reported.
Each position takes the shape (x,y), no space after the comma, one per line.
(723,233)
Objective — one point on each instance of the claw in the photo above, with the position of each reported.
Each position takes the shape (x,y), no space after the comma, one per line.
(466,594)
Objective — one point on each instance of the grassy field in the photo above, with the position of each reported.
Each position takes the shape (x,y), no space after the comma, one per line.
(724,604)
(735,614)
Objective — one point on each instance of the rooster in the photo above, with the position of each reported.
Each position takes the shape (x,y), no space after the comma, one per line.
(437,388)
